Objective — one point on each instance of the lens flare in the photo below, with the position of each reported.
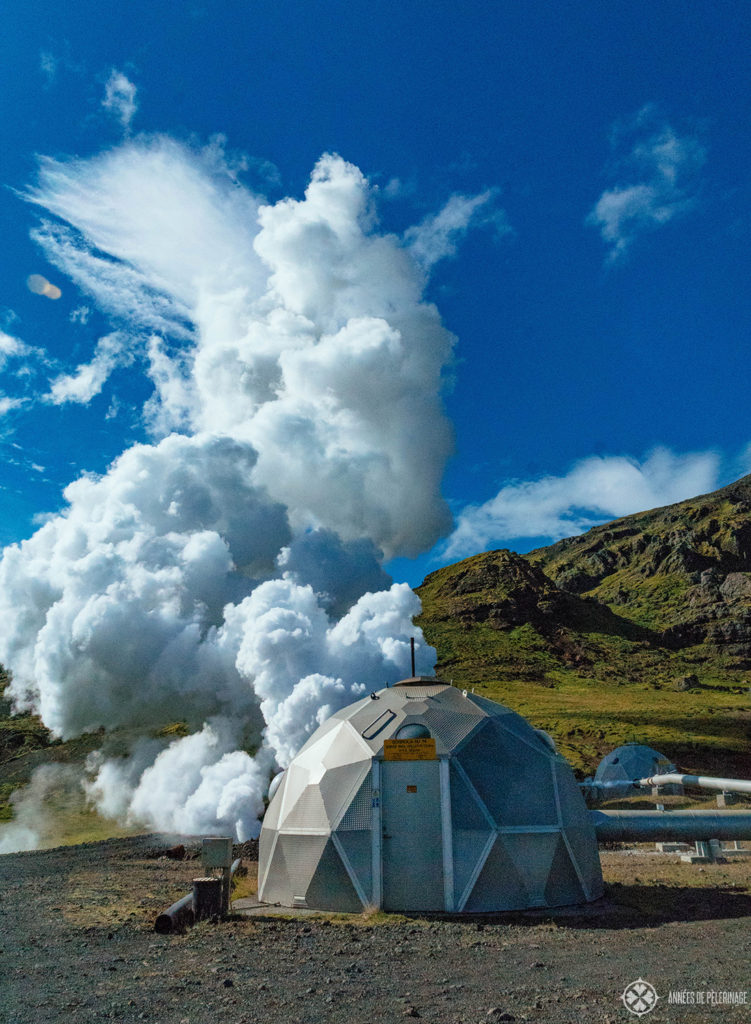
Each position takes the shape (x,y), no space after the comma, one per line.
(39,285)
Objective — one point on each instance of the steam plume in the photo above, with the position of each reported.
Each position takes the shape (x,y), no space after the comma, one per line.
(229,576)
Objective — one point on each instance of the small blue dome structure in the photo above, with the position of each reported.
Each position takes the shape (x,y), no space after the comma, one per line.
(629,762)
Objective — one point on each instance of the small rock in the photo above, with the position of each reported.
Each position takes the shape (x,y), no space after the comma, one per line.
(411,1011)
(498,1014)
(228,983)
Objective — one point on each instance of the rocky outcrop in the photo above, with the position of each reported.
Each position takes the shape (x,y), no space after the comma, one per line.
(623,601)
(683,572)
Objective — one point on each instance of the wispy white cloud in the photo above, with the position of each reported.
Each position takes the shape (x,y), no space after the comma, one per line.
(659,181)
(11,347)
(118,289)
(439,234)
(89,378)
(172,226)
(120,98)
(9,404)
(80,315)
(26,357)
(48,63)
(594,490)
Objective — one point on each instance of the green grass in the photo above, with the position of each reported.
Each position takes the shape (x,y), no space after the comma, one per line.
(594,688)
(587,719)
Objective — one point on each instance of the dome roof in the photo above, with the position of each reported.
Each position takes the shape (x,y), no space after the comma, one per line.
(426,797)
(632,761)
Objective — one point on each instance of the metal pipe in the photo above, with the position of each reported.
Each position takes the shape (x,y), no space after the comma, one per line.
(181,914)
(701,781)
(177,917)
(670,826)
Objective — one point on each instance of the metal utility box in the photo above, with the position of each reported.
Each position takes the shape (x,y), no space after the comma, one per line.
(217,852)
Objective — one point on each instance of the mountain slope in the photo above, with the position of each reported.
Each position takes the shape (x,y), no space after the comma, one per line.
(639,630)
(683,570)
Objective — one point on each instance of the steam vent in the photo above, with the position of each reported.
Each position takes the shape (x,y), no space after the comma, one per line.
(425,797)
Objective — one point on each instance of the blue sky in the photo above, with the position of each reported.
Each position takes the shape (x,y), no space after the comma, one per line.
(598,288)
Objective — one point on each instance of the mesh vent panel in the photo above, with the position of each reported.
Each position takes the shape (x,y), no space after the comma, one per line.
(420,692)
(450,726)
(308,812)
(300,856)
(357,847)
(359,813)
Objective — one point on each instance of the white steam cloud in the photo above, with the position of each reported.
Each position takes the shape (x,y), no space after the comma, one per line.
(229,576)
(52,799)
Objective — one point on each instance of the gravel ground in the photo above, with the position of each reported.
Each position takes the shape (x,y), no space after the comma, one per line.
(77,944)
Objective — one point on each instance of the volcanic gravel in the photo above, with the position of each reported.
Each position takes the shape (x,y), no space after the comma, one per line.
(77,944)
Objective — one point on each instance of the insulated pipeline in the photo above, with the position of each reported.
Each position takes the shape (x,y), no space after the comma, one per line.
(700,781)
(670,826)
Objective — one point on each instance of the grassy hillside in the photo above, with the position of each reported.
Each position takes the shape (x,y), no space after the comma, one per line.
(639,630)
(60,814)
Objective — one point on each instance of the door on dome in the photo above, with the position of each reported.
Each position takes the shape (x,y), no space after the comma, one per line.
(412,848)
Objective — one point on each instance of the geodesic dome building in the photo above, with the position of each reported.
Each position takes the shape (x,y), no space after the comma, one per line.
(425,797)
(631,761)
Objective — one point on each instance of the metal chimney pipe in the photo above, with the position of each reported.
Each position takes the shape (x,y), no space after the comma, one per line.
(412,646)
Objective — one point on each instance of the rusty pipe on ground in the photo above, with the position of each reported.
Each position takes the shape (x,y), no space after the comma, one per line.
(670,826)
(181,915)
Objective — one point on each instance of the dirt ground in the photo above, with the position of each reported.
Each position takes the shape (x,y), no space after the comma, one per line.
(77,944)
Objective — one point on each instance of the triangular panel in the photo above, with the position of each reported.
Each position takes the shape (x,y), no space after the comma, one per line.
(359,814)
(293,865)
(308,811)
(468,849)
(466,813)
(500,886)
(563,885)
(358,849)
(331,887)
(339,787)
(532,853)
